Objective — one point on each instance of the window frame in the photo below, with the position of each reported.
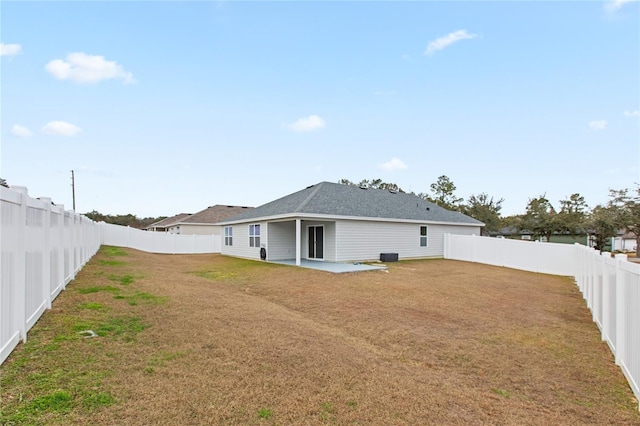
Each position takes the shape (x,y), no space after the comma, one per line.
(228,236)
(254,235)
(424,239)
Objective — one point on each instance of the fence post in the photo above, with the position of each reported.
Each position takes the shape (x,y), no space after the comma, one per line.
(20,263)
(46,252)
(604,300)
(59,239)
(620,310)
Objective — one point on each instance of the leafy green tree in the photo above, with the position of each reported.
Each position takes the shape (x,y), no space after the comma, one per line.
(486,210)
(572,216)
(603,224)
(372,184)
(540,218)
(123,220)
(443,194)
(628,212)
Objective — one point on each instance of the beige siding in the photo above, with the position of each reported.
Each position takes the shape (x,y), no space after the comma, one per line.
(365,240)
(186,229)
(240,247)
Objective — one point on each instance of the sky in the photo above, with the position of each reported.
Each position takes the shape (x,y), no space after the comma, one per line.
(168,107)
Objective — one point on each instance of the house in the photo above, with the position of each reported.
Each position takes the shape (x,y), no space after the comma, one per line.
(342,223)
(624,242)
(164,224)
(205,222)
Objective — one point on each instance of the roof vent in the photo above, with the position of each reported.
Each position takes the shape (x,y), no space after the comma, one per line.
(310,186)
(393,191)
(428,208)
(363,187)
(230,207)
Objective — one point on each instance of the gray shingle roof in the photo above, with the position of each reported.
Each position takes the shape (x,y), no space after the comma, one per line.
(214,214)
(168,221)
(326,198)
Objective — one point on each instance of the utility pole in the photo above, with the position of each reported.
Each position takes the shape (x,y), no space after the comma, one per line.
(73,189)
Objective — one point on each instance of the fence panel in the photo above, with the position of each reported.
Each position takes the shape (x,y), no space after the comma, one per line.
(42,248)
(160,242)
(548,258)
(629,357)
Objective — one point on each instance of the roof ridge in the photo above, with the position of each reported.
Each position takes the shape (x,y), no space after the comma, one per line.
(309,197)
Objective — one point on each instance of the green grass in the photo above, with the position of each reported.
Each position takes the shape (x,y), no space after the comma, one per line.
(112,251)
(125,326)
(265,413)
(91,306)
(103,262)
(328,412)
(502,392)
(39,386)
(123,279)
(140,297)
(233,268)
(97,288)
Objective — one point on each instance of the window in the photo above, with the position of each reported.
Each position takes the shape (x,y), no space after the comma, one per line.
(423,236)
(254,235)
(228,236)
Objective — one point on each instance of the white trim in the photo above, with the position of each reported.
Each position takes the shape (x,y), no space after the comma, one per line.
(289,216)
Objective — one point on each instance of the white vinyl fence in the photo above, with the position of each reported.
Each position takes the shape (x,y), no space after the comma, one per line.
(610,286)
(160,242)
(43,247)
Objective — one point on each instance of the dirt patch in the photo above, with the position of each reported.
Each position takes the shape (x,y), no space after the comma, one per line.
(228,341)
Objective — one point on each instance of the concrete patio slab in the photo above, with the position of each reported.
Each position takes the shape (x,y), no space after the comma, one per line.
(336,268)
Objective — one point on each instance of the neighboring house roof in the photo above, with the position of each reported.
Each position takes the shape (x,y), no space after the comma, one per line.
(332,199)
(168,221)
(212,215)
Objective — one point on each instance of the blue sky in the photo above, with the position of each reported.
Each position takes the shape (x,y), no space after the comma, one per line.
(169,107)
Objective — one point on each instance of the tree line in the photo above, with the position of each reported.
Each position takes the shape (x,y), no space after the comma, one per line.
(123,219)
(541,219)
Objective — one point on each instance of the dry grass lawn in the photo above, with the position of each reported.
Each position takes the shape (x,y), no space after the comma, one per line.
(206,339)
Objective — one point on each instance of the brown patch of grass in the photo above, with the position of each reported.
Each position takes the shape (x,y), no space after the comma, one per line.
(242,342)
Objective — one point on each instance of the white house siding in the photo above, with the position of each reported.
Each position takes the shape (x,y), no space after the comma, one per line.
(329,234)
(281,244)
(186,229)
(240,247)
(365,240)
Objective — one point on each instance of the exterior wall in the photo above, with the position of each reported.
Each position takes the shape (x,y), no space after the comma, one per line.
(281,244)
(365,240)
(329,239)
(186,229)
(240,247)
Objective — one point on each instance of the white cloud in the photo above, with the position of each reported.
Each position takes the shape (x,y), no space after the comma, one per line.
(83,68)
(61,128)
(308,124)
(598,124)
(632,113)
(442,42)
(20,131)
(9,49)
(393,165)
(612,6)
